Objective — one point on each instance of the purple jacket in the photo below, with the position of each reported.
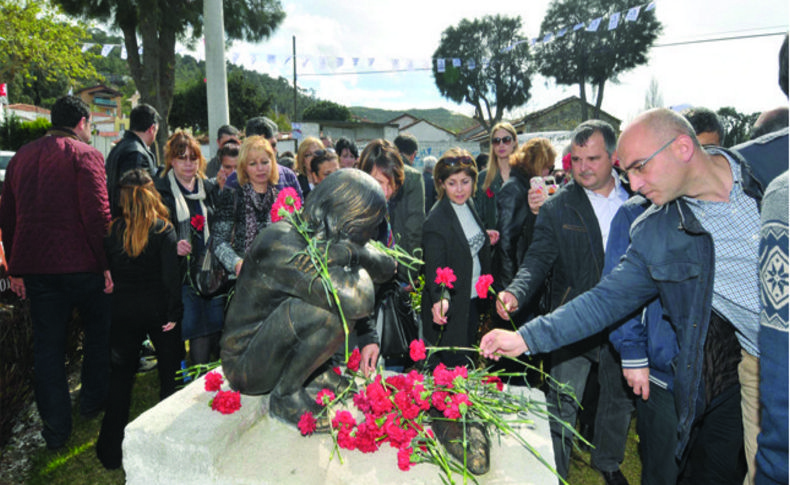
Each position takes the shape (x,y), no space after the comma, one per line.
(54,211)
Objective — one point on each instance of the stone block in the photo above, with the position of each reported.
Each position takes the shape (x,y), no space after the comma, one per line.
(181,440)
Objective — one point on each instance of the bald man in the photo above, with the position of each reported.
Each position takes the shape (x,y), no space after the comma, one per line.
(703,221)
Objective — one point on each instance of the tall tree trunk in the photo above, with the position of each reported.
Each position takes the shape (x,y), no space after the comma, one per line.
(583,96)
(599,99)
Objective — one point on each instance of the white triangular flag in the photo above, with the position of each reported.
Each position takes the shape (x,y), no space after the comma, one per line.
(456,62)
(594,25)
(85,47)
(633,14)
(440,65)
(105,50)
(614,20)
(578,26)
(470,64)
(547,37)
(562,32)
(123,52)
(271,58)
(650,6)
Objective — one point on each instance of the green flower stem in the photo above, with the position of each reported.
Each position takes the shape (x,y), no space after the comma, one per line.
(496,295)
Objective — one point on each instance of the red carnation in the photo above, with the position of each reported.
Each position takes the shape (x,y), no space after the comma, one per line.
(198,221)
(288,201)
(324,397)
(489,193)
(213,381)
(566,162)
(226,402)
(336,369)
(354,360)
(307,423)
(417,350)
(445,277)
(404,458)
(494,380)
(483,284)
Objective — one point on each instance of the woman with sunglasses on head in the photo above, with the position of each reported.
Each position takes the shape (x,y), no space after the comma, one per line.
(190,199)
(141,250)
(454,236)
(504,142)
(304,155)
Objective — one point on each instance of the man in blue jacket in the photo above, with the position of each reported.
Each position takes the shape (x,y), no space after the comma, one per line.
(702,201)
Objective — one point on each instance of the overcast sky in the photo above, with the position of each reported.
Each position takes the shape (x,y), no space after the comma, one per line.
(741,73)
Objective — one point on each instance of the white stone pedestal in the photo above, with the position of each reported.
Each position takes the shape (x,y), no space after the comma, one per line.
(182,441)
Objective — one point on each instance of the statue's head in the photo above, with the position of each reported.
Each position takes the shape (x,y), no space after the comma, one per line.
(348,204)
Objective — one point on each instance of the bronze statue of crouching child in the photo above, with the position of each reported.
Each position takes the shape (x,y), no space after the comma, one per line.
(281,328)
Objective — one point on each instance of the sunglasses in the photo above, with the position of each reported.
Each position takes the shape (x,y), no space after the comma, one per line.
(193,158)
(454,161)
(505,139)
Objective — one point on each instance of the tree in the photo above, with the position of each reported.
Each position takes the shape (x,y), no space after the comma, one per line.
(41,53)
(326,111)
(581,57)
(159,24)
(493,74)
(737,126)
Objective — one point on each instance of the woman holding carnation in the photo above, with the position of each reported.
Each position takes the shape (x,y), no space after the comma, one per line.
(454,238)
(242,212)
(191,199)
(503,142)
(141,250)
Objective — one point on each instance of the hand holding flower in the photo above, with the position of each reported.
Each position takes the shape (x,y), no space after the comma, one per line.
(498,342)
(439,311)
(183,247)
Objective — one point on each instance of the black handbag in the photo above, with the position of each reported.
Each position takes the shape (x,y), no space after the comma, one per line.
(212,278)
(400,323)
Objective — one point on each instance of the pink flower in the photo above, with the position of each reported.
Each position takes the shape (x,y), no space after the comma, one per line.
(445,277)
(404,458)
(307,423)
(288,201)
(213,381)
(417,350)
(226,402)
(566,163)
(324,397)
(354,360)
(483,284)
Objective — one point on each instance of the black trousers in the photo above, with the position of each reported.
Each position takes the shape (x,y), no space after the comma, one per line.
(133,316)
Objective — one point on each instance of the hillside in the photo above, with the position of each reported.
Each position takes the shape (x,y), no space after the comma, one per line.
(448,120)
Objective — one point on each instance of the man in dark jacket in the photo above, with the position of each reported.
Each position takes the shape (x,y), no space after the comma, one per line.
(132,151)
(54,216)
(703,228)
(569,237)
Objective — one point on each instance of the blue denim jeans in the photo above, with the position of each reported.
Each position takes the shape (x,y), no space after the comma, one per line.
(52,300)
(571,365)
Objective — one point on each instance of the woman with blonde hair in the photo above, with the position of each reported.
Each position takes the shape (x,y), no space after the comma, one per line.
(304,155)
(503,142)
(141,251)
(517,213)
(190,198)
(243,211)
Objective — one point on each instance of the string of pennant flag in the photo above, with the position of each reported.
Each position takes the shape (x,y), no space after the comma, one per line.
(324,63)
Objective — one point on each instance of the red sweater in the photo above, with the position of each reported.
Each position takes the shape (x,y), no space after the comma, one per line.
(54,211)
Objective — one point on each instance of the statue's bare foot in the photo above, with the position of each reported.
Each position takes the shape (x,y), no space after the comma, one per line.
(291,407)
(451,435)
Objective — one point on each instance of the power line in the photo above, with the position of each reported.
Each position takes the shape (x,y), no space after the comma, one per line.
(671,44)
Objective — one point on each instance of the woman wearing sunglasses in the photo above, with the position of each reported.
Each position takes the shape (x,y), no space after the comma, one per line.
(454,236)
(503,144)
(189,197)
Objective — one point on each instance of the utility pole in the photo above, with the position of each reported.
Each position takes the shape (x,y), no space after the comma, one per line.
(296,116)
(216,75)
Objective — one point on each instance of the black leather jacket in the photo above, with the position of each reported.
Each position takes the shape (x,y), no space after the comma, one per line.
(515,224)
(128,154)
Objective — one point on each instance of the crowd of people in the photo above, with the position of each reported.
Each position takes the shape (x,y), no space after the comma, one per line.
(643,268)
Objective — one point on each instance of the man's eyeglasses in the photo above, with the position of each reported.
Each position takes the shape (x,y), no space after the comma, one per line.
(505,139)
(454,161)
(636,167)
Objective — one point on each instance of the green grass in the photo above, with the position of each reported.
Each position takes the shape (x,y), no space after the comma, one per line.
(78,465)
